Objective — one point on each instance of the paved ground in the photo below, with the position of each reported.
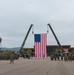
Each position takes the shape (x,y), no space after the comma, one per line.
(37,67)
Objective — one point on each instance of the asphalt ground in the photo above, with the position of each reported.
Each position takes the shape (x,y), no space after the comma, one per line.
(36,66)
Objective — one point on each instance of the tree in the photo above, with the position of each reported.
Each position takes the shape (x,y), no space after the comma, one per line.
(29,51)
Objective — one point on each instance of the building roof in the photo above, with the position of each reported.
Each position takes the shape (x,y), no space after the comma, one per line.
(64,46)
(71,48)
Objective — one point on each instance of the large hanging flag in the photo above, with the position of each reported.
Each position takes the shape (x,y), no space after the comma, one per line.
(40,43)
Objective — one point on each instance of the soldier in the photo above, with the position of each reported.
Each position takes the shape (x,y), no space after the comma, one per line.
(66,57)
(70,57)
(12,58)
(52,56)
(57,56)
(61,56)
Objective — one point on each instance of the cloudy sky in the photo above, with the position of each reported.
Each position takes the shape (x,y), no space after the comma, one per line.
(16,16)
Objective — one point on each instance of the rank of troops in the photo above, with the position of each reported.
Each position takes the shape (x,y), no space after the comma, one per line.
(62,56)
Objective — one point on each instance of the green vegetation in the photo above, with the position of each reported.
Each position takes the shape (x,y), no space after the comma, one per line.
(5,55)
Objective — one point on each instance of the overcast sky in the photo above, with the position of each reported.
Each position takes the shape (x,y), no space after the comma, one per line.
(16,16)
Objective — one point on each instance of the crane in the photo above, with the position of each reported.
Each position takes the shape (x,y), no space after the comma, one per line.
(56,38)
(25,37)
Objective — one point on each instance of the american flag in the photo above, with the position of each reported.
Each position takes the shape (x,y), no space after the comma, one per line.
(40,42)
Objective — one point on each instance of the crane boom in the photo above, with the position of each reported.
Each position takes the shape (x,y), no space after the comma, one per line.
(56,38)
(25,37)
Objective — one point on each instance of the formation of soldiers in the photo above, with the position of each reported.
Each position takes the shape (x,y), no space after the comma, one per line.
(56,56)
(62,56)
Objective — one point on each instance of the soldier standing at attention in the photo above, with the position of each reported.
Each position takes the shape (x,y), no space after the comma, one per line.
(66,57)
(61,56)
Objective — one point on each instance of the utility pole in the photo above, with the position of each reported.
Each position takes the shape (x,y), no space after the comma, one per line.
(26,37)
(56,38)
